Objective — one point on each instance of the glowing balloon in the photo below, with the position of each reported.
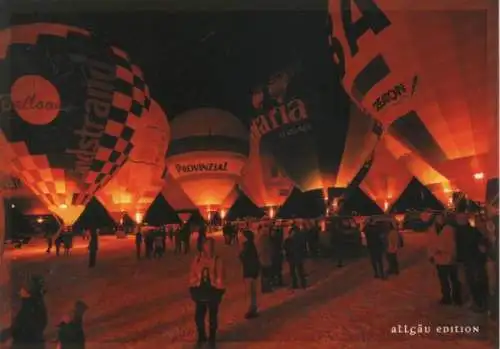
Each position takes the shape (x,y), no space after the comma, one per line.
(230,199)
(175,196)
(440,187)
(136,185)
(427,70)
(70,106)
(208,150)
(386,179)
(316,142)
(262,180)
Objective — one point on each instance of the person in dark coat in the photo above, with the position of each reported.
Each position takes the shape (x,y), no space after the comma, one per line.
(277,255)
(158,244)
(249,258)
(48,239)
(375,242)
(138,244)
(68,241)
(70,330)
(185,235)
(471,251)
(202,236)
(58,242)
(177,239)
(29,324)
(295,254)
(227,233)
(93,247)
(164,236)
(149,244)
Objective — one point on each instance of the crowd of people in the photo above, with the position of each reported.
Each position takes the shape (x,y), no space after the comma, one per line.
(457,244)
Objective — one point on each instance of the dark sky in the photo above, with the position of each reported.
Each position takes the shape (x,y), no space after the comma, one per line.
(205,59)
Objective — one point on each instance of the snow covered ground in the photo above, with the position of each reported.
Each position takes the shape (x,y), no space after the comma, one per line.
(145,304)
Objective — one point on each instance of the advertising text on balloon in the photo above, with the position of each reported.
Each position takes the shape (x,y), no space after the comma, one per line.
(97,108)
(30,102)
(372,19)
(202,167)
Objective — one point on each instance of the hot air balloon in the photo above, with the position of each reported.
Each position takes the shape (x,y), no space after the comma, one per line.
(386,179)
(177,199)
(229,202)
(440,186)
(317,141)
(263,181)
(208,150)
(428,71)
(70,106)
(136,185)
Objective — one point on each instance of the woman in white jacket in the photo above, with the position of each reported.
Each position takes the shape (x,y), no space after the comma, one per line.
(442,253)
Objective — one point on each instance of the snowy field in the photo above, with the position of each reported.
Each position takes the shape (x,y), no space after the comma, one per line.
(145,304)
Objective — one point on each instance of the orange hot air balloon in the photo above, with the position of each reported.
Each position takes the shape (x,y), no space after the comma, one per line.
(208,150)
(262,179)
(21,197)
(69,108)
(386,179)
(440,186)
(138,182)
(177,199)
(318,143)
(427,70)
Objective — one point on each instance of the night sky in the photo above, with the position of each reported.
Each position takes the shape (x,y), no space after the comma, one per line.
(206,59)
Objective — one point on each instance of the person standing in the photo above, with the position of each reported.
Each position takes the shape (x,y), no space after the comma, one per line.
(93,247)
(58,243)
(202,236)
(206,281)
(148,244)
(70,330)
(185,238)
(48,239)
(295,254)
(277,259)
(375,242)
(264,249)
(138,243)
(471,251)
(30,322)
(393,245)
(177,239)
(249,258)
(442,252)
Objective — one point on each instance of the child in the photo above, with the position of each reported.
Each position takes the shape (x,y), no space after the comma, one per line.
(71,334)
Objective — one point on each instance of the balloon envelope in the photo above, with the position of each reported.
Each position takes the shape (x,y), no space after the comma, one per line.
(175,196)
(386,179)
(440,186)
(208,150)
(262,180)
(136,185)
(316,142)
(70,106)
(428,71)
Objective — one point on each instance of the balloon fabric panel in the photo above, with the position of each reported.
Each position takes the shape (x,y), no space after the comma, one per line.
(79,136)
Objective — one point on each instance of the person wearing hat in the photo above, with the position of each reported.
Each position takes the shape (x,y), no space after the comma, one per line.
(29,324)
(249,258)
(70,334)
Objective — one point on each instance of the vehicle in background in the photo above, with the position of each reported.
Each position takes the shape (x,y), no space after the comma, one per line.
(343,229)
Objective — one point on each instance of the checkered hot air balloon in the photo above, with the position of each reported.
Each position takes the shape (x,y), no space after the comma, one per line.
(69,108)
(140,180)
